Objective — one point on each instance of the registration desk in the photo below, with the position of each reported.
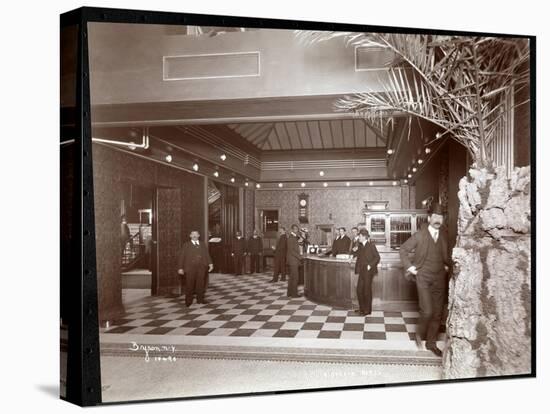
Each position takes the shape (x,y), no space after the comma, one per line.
(330,281)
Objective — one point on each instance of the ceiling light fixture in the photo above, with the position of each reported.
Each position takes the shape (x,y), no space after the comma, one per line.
(258,185)
(168,158)
(303,184)
(348,184)
(414,169)
(195,166)
(232,179)
(216,174)
(223,157)
(390,151)
(427,150)
(325,184)
(280,185)
(409,175)
(394,183)
(420,160)
(322,173)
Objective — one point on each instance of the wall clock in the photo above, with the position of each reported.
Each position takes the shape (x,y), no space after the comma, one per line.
(303,208)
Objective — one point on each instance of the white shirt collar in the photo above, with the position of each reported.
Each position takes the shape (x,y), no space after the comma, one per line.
(433,231)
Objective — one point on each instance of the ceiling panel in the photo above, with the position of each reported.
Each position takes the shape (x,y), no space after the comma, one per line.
(322,134)
(280,131)
(315,134)
(294,137)
(349,136)
(371,137)
(359,129)
(264,138)
(337,136)
(304,135)
(273,141)
(326,135)
(259,135)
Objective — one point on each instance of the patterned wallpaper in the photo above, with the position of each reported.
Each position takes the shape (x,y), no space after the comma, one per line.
(169,235)
(339,206)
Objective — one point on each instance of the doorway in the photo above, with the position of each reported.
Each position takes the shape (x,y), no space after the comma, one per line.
(223,223)
(137,256)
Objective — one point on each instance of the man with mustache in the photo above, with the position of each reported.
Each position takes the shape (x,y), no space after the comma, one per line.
(193,262)
(429,266)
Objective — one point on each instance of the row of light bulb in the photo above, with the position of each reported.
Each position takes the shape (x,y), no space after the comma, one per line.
(216,174)
(390,151)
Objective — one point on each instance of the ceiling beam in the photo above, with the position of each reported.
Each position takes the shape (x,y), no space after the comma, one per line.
(225,111)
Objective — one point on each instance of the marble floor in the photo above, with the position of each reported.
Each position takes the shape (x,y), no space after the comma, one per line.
(251,330)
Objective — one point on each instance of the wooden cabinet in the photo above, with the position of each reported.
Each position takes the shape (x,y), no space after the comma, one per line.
(393,228)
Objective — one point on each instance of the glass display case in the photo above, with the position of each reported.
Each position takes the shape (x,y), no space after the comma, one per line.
(393,227)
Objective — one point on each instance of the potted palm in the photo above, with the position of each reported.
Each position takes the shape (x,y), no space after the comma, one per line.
(462,84)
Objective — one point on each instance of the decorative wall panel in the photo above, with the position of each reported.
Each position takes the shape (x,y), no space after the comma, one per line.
(339,206)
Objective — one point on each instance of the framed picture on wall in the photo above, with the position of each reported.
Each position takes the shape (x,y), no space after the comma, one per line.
(242,133)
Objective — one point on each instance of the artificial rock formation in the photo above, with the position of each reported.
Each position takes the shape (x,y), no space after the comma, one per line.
(489,321)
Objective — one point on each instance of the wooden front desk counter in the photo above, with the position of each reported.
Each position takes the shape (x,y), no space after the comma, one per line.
(333,282)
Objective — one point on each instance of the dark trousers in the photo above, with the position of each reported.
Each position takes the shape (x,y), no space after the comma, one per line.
(238,262)
(279,268)
(195,283)
(431,297)
(364,291)
(292,287)
(254,263)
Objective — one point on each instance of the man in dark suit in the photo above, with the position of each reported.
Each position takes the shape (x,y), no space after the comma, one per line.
(366,267)
(255,250)
(341,243)
(293,259)
(429,266)
(279,257)
(355,244)
(238,252)
(193,261)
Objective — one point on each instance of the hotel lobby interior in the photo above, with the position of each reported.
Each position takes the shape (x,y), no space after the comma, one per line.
(222,130)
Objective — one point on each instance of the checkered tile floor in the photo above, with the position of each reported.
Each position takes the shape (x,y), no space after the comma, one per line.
(250,306)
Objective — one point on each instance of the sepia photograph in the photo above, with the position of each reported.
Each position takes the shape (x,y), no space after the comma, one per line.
(287,209)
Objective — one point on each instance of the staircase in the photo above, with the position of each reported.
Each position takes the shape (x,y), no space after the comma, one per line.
(133,254)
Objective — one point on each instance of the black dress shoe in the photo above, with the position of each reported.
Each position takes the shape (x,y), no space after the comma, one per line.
(360,312)
(435,350)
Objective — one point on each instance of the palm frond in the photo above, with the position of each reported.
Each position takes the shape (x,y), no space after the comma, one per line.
(459,83)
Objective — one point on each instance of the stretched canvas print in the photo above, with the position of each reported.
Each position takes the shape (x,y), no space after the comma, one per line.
(258,206)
